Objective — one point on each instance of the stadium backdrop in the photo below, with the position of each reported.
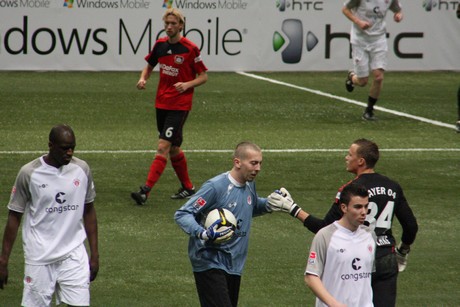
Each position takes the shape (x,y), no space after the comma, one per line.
(250,35)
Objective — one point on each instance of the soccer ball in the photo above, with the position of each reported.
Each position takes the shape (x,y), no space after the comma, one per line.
(228,220)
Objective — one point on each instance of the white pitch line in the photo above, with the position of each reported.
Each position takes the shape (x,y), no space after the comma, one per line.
(352,101)
(26,152)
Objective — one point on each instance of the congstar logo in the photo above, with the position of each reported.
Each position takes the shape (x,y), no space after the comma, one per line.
(293,33)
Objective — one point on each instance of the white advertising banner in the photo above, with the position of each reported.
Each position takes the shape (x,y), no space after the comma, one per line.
(233,35)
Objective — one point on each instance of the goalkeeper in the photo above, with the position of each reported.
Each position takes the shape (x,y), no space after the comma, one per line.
(386,200)
(217,268)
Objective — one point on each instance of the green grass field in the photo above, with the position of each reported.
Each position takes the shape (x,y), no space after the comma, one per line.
(144,253)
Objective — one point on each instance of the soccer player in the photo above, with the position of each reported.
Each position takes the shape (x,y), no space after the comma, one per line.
(56,194)
(181,70)
(369,45)
(341,258)
(217,268)
(386,199)
(457,126)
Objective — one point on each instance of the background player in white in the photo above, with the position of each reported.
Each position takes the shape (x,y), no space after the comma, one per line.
(55,193)
(342,254)
(369,45)
(218,267)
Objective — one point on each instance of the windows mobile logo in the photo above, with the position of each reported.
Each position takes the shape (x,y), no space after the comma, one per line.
(68,3)
(293,35)
(167,4)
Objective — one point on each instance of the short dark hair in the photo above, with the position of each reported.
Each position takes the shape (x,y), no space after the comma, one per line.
(58,130)
(368,150)
(352,189)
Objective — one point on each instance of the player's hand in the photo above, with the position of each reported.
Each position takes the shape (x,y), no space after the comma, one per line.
(93,268)
(398,16)
(141,84)
(3,275)
(225,233)
(281,200)
(402,253)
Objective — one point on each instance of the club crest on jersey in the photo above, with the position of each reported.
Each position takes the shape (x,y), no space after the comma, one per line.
(200,202)
(249,200)
(76,182)
(178,59)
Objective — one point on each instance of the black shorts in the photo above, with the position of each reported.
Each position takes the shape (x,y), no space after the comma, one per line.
(217,288)
(384,281)
(170,124)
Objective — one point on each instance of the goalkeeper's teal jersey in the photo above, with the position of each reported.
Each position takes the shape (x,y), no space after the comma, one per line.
(221,191)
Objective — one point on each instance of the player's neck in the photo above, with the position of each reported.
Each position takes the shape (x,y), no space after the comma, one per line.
(365,171)
(175,39)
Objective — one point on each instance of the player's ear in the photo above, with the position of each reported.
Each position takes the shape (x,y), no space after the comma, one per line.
(237,162)
(343,207)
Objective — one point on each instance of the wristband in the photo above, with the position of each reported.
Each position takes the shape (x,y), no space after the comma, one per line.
(295,210)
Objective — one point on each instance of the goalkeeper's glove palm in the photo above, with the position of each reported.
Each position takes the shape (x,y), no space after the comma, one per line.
(281,200)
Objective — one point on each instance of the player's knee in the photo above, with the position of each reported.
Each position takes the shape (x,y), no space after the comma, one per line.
(362,81)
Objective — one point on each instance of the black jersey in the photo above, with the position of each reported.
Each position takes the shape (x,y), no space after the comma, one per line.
(386,200)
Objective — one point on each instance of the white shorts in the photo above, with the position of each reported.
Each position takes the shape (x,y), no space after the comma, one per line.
(369,57)
(67,278)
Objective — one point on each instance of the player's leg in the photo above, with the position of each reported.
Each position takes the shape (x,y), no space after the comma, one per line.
(384,281)
(358,76)
(39,285)
(73,279)
(177,156)
(378,62)
(158,164)
(213,289)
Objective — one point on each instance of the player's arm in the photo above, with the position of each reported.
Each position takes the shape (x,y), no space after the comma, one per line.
(317,287)
(395,7)
(362,24)
(90,223)
(9,236)
(145,75)
(200,79)
(314,224)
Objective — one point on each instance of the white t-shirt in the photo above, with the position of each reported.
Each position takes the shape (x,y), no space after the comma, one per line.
(52,200)
(344,261)
(373,11)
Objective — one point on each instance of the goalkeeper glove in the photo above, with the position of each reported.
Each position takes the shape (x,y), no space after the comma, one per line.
(224,233)
(402,253)
(281,200)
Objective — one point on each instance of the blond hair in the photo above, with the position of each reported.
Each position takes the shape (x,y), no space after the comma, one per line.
(176,13)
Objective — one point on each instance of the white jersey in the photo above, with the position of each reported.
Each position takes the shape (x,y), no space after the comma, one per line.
(373,11)
(344,261)
(52,200)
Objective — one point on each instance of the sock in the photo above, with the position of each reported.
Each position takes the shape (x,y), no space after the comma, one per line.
(370,103)
(179,164)
(156,169)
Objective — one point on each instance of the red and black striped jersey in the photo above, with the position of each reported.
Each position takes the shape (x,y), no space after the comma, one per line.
(179,62)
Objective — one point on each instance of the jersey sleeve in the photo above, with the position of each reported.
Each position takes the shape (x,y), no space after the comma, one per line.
(317,256)
(199,66)
(407,220)
(151,58)
(189,216)
(20,193)
(314,224)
